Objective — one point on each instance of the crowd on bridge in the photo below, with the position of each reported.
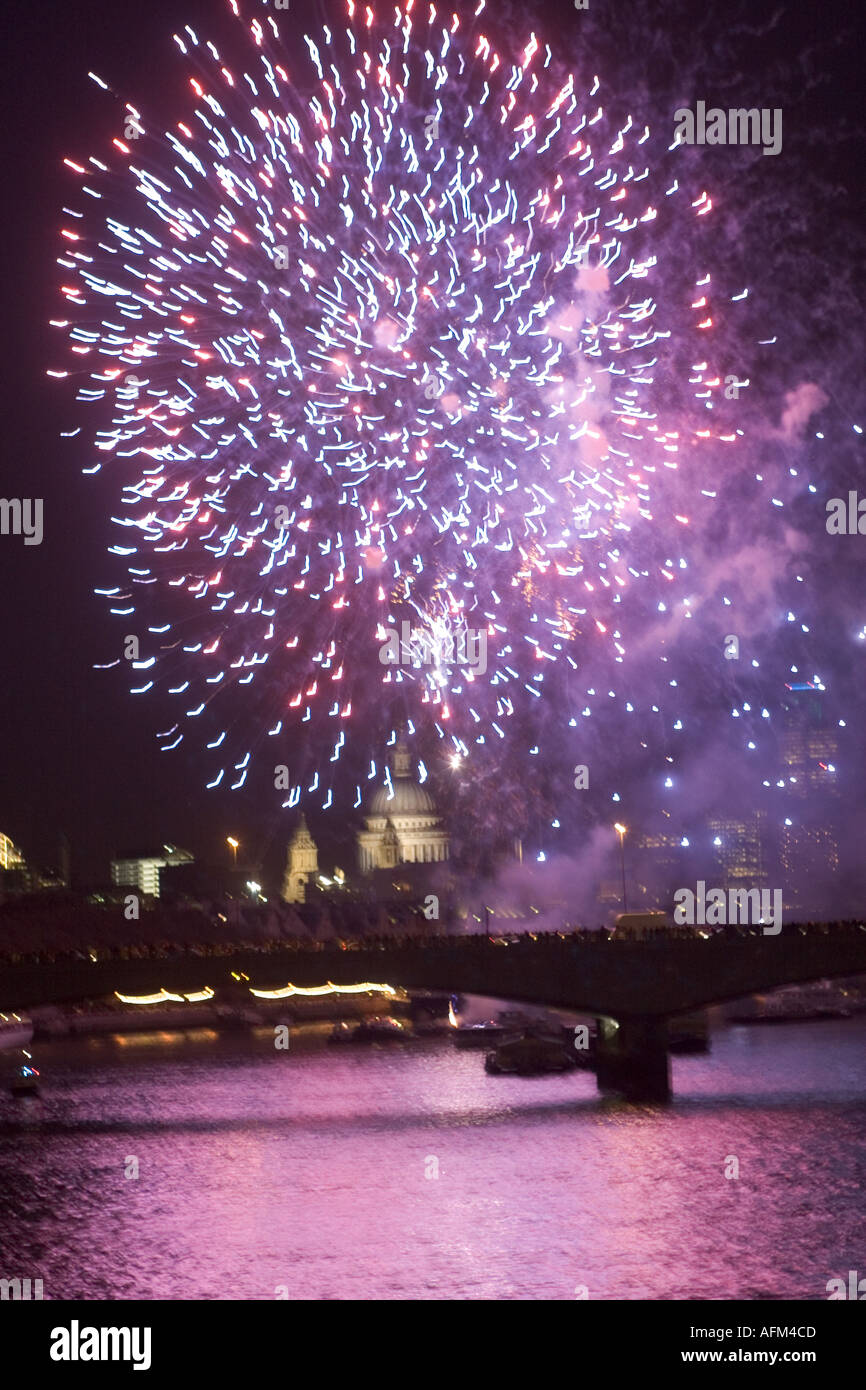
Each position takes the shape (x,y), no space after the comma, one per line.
(77,927)
(213,944)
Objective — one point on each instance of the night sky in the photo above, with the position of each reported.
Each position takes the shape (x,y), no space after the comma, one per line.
(78,753)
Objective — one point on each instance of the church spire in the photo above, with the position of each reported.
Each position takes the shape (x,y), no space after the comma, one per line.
(401,757)
(302,864)
(302,831)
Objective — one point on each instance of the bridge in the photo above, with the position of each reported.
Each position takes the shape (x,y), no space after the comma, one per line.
(634,987)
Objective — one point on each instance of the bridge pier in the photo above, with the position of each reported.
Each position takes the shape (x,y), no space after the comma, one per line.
(632,1057)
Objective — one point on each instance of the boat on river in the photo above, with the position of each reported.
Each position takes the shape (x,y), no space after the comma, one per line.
(689,1033)
(372,1030)
(25,1082)
(478,1034)
(794,1004)
(530,1054)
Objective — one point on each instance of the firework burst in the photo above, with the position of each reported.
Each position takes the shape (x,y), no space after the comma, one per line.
(382,332)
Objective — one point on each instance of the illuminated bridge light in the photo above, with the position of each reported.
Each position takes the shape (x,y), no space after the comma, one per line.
(366,988)
(163,997)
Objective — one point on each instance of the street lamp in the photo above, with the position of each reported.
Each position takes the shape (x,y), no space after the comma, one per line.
(234,844)
(620,830)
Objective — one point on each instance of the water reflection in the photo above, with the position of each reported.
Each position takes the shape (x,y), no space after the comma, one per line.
(309,1169)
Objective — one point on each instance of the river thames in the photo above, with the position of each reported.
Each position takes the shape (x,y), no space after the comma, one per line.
(409,1173)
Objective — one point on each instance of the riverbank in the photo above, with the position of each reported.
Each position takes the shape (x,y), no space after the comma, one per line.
(115,1016)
